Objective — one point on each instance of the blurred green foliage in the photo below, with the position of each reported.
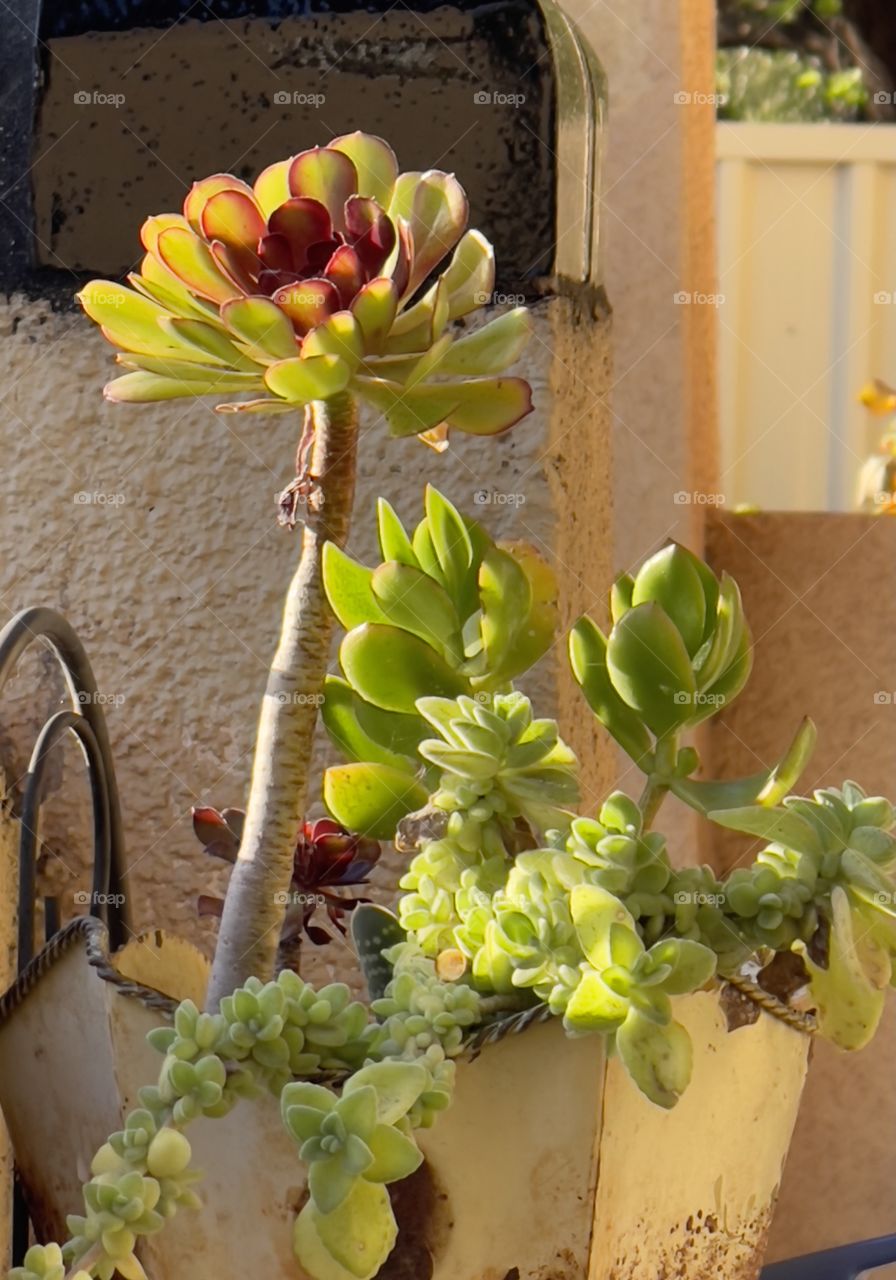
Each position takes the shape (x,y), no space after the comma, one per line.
(779,85)
(783,61)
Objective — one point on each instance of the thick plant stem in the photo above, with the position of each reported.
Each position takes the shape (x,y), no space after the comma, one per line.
(657,787)
(257,893)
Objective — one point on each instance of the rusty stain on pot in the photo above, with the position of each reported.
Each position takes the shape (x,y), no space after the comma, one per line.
(700,1249)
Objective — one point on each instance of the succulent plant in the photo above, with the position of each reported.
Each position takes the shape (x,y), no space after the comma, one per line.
(419,1011)
(353,1145)
(343,1138)
(678,651)
(327,858)
(44,1262)
(447,613)
(497,764)
(306,286)
(625,991)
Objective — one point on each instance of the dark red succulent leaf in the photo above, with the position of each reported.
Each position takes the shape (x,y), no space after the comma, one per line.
(301,222)
(371,232)
(327,859)
(346,271)
(218,832)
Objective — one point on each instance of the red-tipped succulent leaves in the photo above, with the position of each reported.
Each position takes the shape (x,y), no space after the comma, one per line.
(309,285)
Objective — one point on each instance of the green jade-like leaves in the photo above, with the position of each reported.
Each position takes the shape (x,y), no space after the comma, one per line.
(447,613)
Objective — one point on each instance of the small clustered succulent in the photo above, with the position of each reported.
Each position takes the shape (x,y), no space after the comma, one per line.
(396,1063)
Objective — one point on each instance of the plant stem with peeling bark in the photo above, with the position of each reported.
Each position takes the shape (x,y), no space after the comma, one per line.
(256,896)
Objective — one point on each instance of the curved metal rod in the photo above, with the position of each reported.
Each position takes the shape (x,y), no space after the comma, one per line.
(103,903)
(21,631)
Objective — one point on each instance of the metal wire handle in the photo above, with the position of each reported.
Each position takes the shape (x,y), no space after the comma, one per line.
(87,722)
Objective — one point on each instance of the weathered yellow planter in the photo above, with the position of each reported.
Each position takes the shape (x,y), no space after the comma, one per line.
(549,1166)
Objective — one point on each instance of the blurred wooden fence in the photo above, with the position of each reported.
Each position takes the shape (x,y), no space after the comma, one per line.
(807,306)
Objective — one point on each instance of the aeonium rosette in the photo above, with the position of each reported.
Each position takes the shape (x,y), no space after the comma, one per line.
(310,284)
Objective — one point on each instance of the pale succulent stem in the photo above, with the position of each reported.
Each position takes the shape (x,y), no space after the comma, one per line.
(85,1262)
(656,788)
(256,896)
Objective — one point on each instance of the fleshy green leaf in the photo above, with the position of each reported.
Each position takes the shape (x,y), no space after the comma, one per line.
(340,718)
(394,541)
(659,1059)
(301,380)
(783,826)
(326,175)
(372,798)
(588,658)
(374,162)
(506,596)
(670,579)
(594,1007)
(767,788)
(142,387)
(398,1085)
(394,1155)
(413,601)
(650,668)
(593,911)
(329,1184)
(374,308)
(132,321)
(374,930)
(392,668)
(340,335)
(261,324)
(353,1242)
(850,993)
(349,588)
(189,258)
(491,349)
(480,406)
(691,964)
